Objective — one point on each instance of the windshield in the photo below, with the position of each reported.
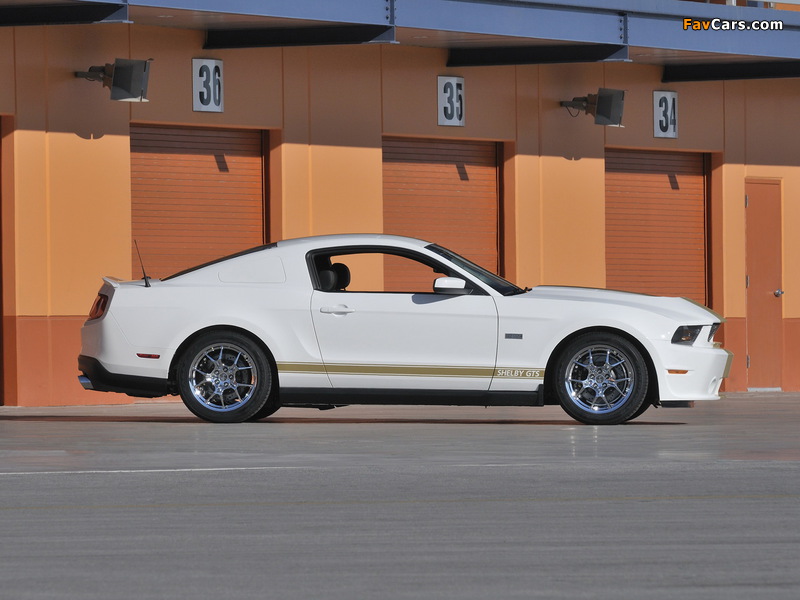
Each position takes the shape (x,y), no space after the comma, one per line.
(497,283)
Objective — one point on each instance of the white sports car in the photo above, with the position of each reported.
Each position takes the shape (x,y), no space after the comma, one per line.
(376,319)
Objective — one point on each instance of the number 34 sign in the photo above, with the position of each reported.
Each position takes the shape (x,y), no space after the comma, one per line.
(207,85)
(665,114)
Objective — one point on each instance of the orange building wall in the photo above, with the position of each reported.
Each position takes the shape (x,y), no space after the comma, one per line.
(572,176)
(253,81)
(772,150)
(410,107)
(345,136)
(290,155)
(69,171)
(66,166)
(522,177)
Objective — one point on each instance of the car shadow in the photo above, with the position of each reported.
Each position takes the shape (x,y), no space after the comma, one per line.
(397,421)
(191,420)
(98,419)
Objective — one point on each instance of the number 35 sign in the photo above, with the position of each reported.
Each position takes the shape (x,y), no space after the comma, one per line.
(451,101)
(207,88)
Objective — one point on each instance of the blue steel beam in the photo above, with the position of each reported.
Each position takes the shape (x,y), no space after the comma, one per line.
(536,20)
(667,32)
(361,12)
(643,23)
(636,23)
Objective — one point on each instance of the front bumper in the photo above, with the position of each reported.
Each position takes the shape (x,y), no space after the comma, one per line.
(692,373)
(97,377)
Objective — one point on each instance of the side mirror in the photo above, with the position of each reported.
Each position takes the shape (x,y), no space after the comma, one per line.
(452,286)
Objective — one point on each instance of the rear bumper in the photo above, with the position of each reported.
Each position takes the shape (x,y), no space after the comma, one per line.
(97,377)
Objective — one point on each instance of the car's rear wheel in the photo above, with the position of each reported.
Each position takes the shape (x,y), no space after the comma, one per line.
(601,379)
(224,377)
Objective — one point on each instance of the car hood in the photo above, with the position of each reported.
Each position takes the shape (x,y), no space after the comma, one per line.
(679,309)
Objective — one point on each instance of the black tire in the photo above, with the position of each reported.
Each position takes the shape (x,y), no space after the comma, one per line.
(601,379)
(224,377)
(272,403)
(645,406)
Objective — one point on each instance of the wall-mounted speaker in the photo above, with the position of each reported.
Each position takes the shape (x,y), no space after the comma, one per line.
(609,105)
(605,106)
(127,78)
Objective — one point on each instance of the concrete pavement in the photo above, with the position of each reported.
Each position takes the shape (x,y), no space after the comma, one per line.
(146,501)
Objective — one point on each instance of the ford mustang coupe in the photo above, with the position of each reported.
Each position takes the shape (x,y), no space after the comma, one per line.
(334,320)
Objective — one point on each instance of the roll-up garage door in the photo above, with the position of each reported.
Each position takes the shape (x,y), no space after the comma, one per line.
(197,195)
(656,223)
(444,192)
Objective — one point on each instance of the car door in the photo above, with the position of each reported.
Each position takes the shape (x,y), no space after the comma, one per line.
(384,332)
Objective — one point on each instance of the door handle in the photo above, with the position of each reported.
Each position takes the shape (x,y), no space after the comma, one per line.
(778,293)
(337,310)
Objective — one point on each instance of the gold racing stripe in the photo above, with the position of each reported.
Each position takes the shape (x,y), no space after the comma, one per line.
(299,367)
(410,370)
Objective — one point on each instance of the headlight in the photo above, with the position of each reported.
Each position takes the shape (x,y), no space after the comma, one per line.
(686,334)
(714,328)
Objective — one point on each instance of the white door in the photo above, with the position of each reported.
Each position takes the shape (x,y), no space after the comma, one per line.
(370,338)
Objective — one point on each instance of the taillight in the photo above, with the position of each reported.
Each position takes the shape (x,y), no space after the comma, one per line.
(99,307)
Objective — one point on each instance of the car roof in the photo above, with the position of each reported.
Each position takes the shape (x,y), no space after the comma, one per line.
(344,239)
(306,244)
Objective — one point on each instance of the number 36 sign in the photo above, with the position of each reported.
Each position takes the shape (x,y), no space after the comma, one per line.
(207,89)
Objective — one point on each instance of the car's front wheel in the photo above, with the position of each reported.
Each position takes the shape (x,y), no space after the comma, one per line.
(224,377)
(601,379)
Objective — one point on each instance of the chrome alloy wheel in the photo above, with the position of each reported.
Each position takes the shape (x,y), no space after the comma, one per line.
(600,378)
(222,377)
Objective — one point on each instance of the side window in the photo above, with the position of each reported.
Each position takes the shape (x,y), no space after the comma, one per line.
(374,272)
(401,274)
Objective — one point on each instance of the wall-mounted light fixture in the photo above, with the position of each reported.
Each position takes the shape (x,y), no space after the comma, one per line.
(605,106)
(126,78)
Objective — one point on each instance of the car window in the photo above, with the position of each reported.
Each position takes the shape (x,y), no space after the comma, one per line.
(376,271)
(220,260)
(495,281)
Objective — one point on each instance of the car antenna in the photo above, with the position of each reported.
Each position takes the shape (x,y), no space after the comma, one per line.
(141,262)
